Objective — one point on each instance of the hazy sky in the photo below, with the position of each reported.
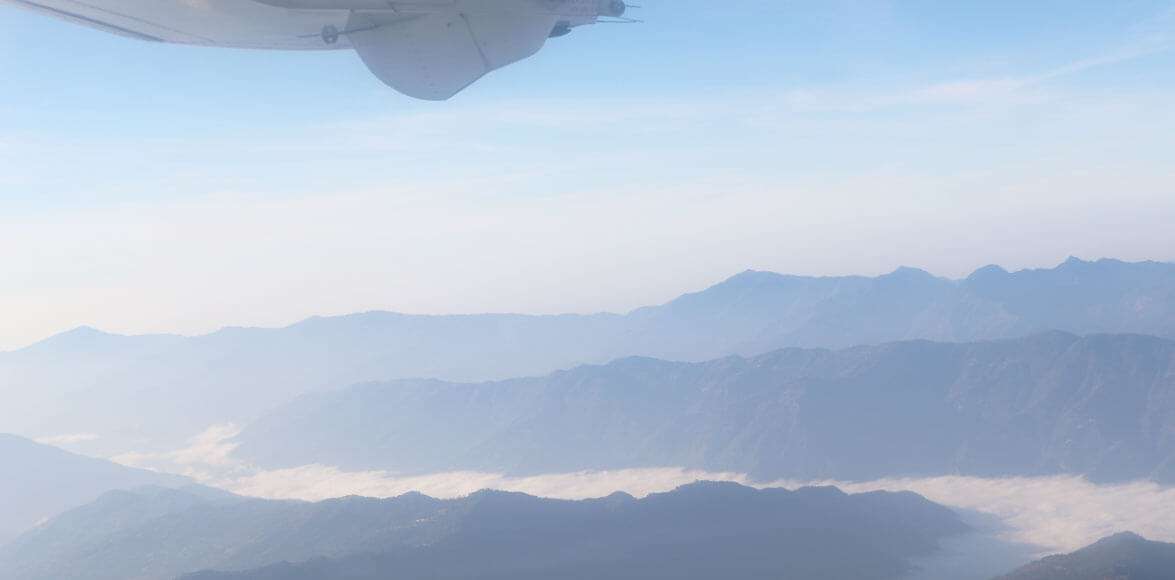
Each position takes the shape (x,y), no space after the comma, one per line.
(148,188)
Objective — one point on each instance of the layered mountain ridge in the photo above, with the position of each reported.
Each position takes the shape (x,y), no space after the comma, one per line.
(1052,403)
(90,379)
(693,532)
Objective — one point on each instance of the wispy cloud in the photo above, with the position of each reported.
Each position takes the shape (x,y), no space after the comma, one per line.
(1153,37)
(207,458)
(67,439)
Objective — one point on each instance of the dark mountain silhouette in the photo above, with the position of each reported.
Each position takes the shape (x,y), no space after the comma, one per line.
(1053,403)
(1123,556)
(87,380)
(693,532)
(39,481)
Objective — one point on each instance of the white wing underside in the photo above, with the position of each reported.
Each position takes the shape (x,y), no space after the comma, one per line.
(434,56)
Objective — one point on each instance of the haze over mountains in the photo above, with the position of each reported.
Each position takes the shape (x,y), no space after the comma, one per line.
(1053,403)
(705,530)
(130,389)
(1068,371)
(39,482)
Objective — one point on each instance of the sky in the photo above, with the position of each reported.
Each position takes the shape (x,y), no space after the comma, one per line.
(153,188)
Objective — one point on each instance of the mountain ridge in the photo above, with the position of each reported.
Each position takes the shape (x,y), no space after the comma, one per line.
(157,534)
(91,331)
(1122,556)
(748,314)
(1062,403)
(42,481)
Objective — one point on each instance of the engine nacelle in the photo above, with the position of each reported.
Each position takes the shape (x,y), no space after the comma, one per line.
(613,8)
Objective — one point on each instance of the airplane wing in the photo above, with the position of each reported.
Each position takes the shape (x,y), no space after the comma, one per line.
(435,55)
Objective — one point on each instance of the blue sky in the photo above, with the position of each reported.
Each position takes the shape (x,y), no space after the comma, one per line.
(149,188)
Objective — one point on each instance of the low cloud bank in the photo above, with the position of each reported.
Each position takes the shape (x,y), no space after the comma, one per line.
(317,482)
(209,459)
(1061,513)
(1056,514)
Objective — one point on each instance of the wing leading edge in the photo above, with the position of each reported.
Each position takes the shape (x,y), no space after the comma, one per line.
(435,55)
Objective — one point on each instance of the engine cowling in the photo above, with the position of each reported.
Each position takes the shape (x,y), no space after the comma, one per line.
(613,8)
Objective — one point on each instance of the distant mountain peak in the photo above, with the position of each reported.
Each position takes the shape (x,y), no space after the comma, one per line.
(1075,263)
(79,337)
(751,277)
(84,332)
(987,272)
(911,271)
(915,277)
(1122,538)
(85,338)
(620,496)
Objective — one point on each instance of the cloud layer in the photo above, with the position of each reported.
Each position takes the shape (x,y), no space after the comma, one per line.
(317,482)
(1056,514)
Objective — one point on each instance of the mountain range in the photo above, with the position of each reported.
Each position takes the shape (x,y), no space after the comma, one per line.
(158,390)
(704,530)
(1069,370)
(1053,403)
(40,481)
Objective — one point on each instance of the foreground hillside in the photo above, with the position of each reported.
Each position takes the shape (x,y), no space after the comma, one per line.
(692,532)
(1052,403)
(1121,557)
(39,481)
(128,389)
